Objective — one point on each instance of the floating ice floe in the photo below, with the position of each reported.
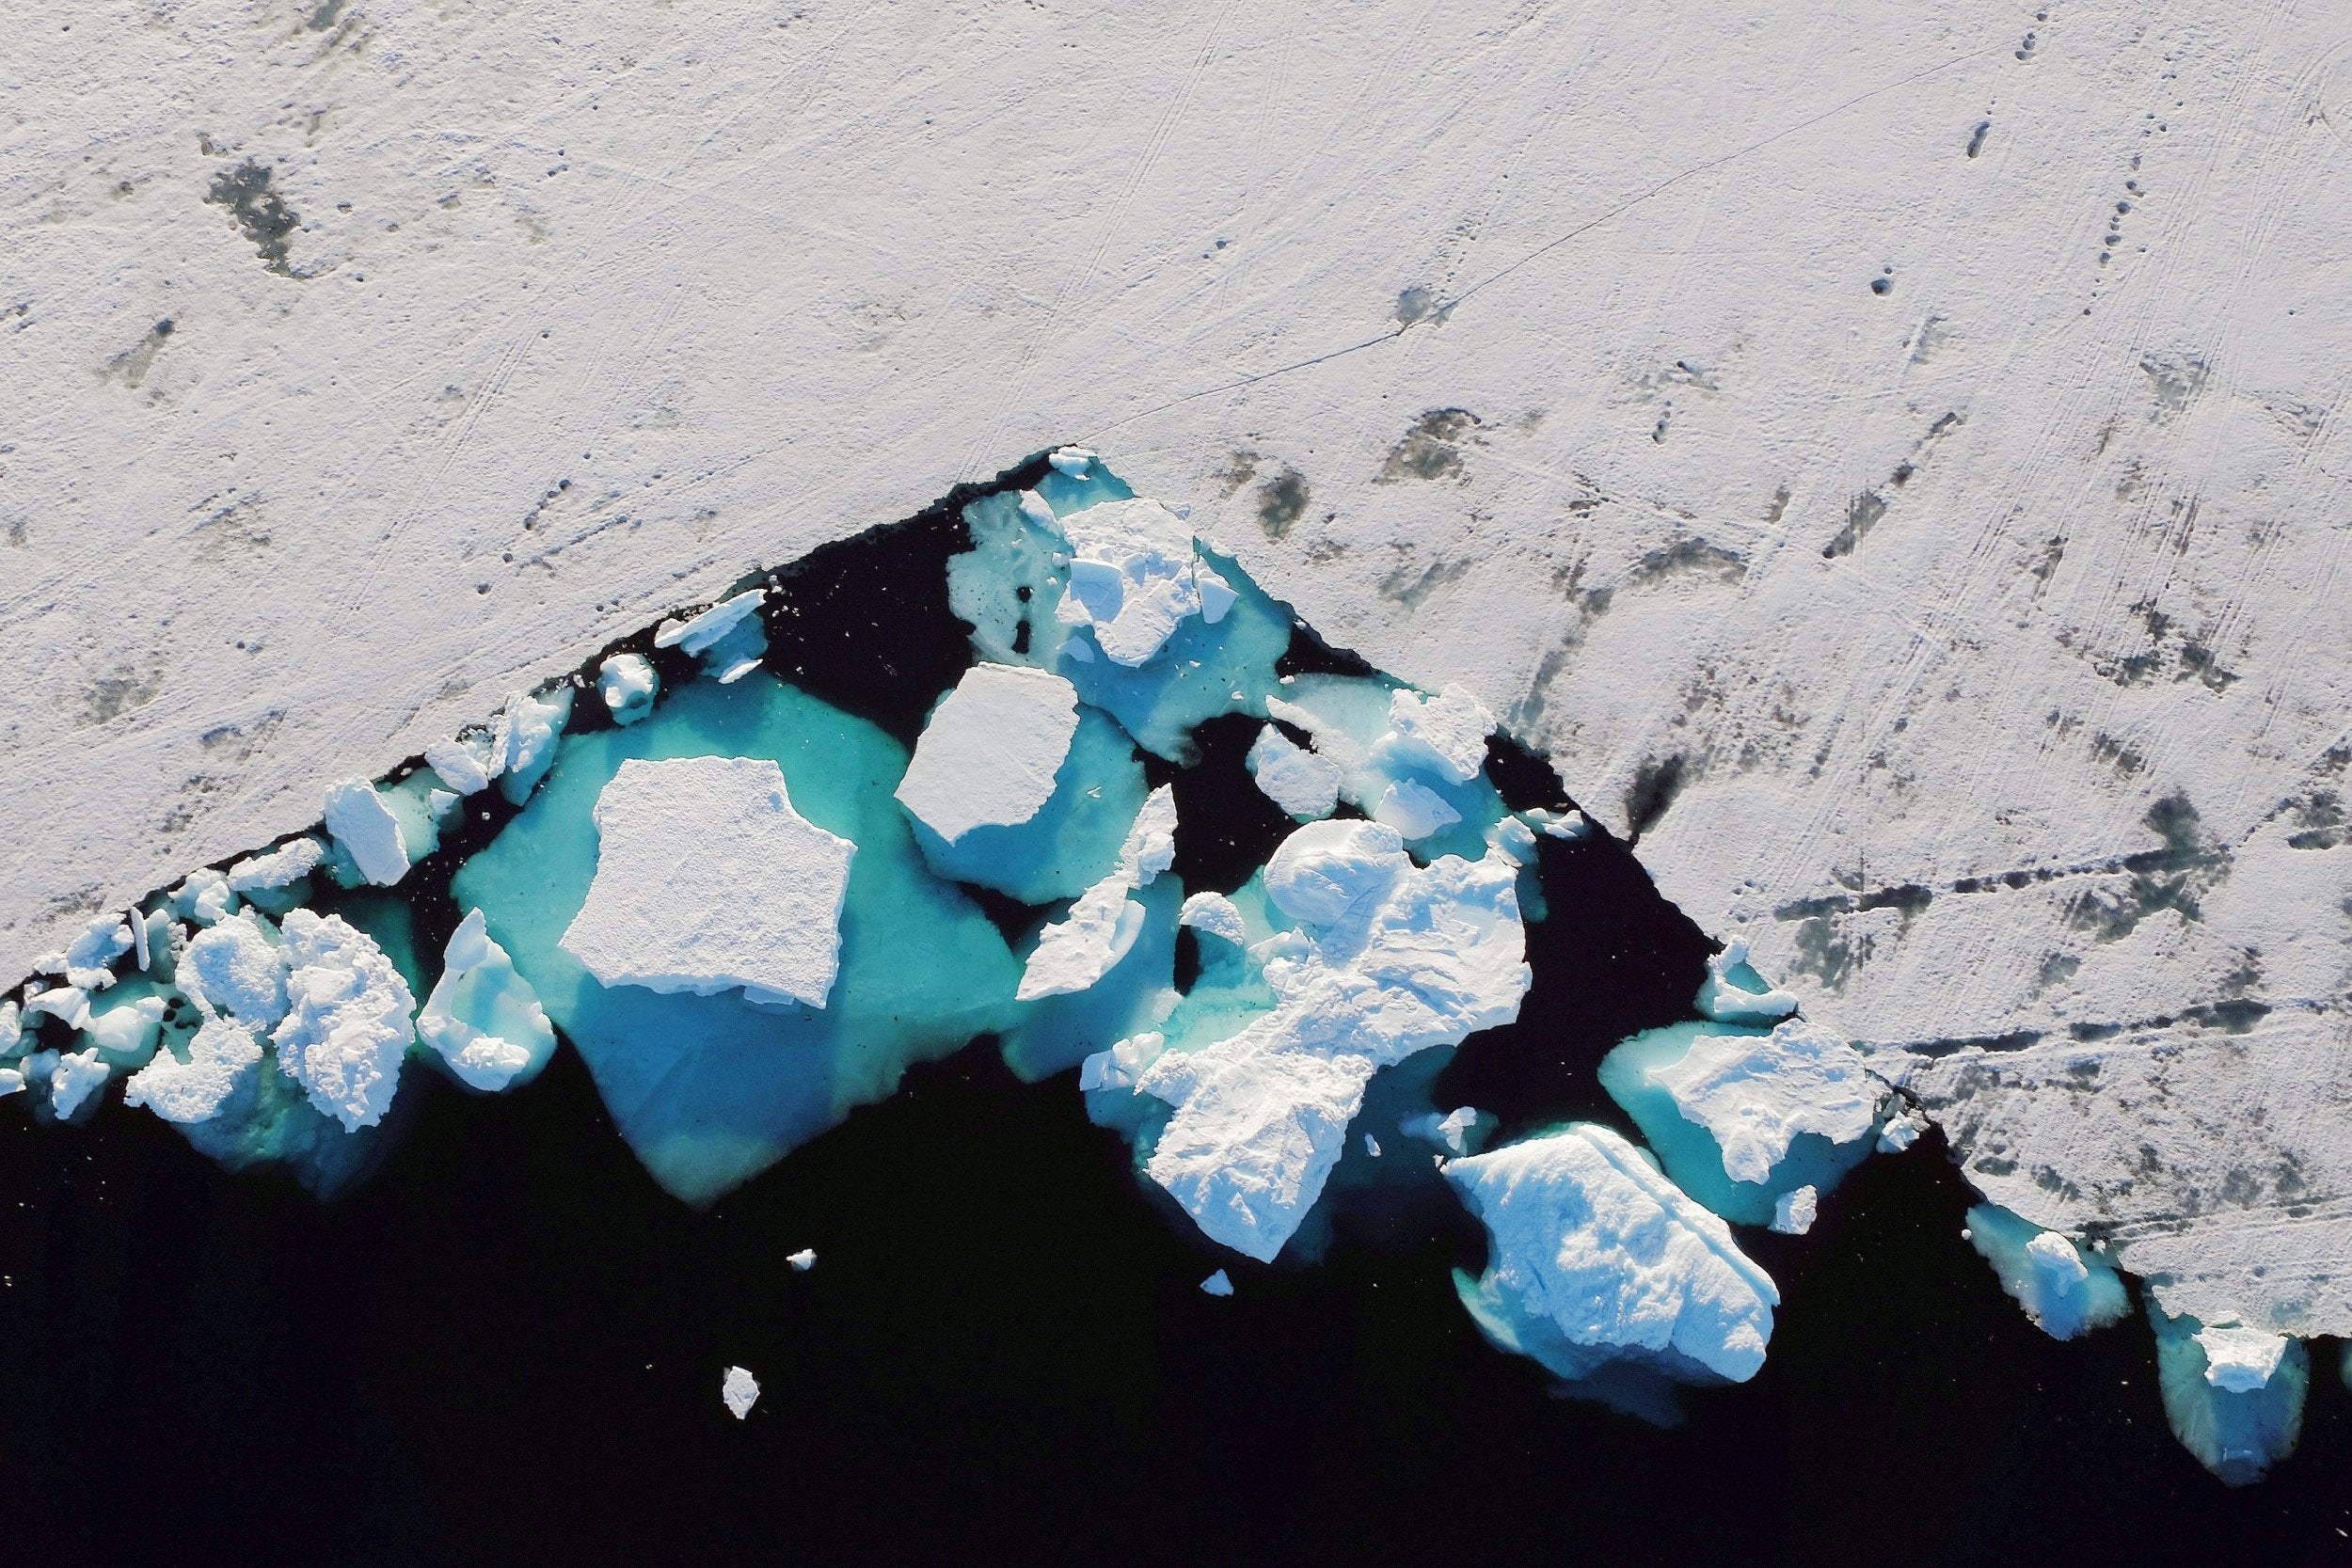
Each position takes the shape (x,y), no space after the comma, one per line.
(347,1020)
(1595,1256)
(706,880)
(803,1260)
(236,966)
(1302,783)
(1074,952)
(1446,733)
(524,740)
(628,685)
(2064,1290)
(73,1077)
(483,1017)
(366,830)
(221,1055)
(1793,1213)
(738,1390)
(989,753)
(1217,1284)
(727,637)
(1216,915)
(1133,576)
(284,866)
(1393,958)
(2233,1394)
(1449,1132)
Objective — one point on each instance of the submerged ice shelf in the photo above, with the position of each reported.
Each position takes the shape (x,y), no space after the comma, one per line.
(1111,808)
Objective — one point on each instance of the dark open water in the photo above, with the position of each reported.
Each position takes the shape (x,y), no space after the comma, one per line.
(506,1346)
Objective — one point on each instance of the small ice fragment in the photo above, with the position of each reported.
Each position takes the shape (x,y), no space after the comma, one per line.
(740,1391)
(368,832)
(1325,869)
(1217,595)
(483,1017)
(11,1028)
(2065,1291)
(1446,733)
(1726,1002)
(219,1057)
(126,1029)
(234,967)
(697,634)
(1372,1146)
(11,1081)
(1793,1213)
(1901,1131)
(1122,1064)
(629,683)
(88,964)
(2240,1359)
(1036,511)
(1754,1094)
(707,879)
(989,753)
(347,1022)
(803,1260)
(68,1005)
(1216,915)
(1070,460)
(1301,782)
(459,765)
(75,1076)
(1514,838)
(1414,809)
(289,863)
(138,938)
(1217,1284)
(531,726)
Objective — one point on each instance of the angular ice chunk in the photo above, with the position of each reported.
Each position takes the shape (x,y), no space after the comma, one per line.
(1414,809)
(484,1018)
(68,1005)
(286,864)
(88,962)
(1102,925)
(1302,783)
(1216,595)
(1596,1255)
(2240,1359)
(698,634)
(1217,1284)
(803,1260)
(347,1020)
(1069,460)
(1216,915)
(531,727)
(73,1078)
(203,895)
(1396,960)
(1757,1093)
(126,1029)
(1372,1146)
(219,1057)
(11,1029)
(2064,1290)
(2234,1395)
(236,968)
(1794,1211)
(368,832)
(740,1391)
(1446,1131)
(1446,733)
(464,767)
(707,879)
(629,683)
(1901,1131)
(1131,576)
(989,753)
(1120,1066)
(1724,998)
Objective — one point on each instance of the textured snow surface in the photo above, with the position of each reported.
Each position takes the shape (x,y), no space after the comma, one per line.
(1756,1093)
(1952,573)
(347,1020)
(2064,1290)
(1589,1239)
(1394,959)
(1302,783)
(707,879)
(988,756)
(221,1054)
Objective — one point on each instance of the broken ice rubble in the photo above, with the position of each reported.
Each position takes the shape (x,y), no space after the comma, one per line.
(483,1017)
(738,1390)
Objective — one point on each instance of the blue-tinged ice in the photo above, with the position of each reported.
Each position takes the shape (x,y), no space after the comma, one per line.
(1103,923)
(73,1077)
(710,1090)
(483,1017)
(1595,1257)
(1735,994)
(708,880)
(523,742)
(628,685)
(1740,1117)
(1217,1284)
(2234,1395)
(467,764)
(738,1390)
(1414,763)
(88,962)
(2064,1288)
(347,1020)
(1391,959)
(1016,787)
(1120,1009)
(366,831)
(125,1029)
